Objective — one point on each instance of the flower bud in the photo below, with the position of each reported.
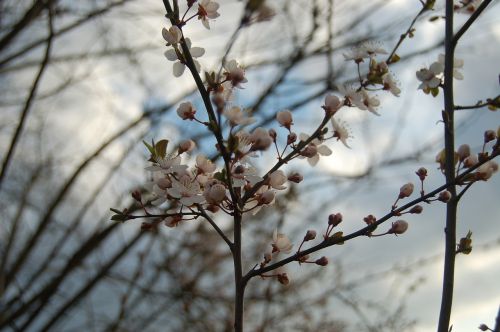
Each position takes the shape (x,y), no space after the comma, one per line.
(186,111)
(334,219)
(323,261)
(213,208)
(273,134)
(283,279)
(421,173)
(332,104)
(471,161)
(295,177)
(483,327)
(303,259)
(277,179)
(291,138)
(463,151)
(285,119)
(186,146)
(406,190)
(417,209)
(444,196)
(489,135)
(398,227)
(310,235)
(370,219)
(260,139)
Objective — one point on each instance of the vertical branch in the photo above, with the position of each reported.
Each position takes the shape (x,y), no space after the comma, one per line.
(239,281)
(451,207)
(29,100)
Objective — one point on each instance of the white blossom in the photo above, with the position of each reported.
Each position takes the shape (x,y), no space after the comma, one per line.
(281,243)
(207,9)
(457,64)
(341,132)
(186,190)
(428,76)
(172,35)
(234,73)
(204,165)
(235,116)
(316,149)
(179,66)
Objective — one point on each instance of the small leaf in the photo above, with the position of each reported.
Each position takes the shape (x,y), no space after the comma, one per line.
(116,211)
(435,92)
(395,58)
(337,236)
(161,148)
(150,147)
(119,217)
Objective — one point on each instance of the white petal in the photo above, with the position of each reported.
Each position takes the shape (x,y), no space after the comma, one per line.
(313,160)
(178,69)
(324,150)
(171,55)
(197,51)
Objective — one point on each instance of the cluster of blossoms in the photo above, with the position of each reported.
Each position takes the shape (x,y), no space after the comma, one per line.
(378,77)
(234,186)
(432,77)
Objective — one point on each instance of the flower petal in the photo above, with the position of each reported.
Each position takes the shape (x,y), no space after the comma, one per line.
(178,69)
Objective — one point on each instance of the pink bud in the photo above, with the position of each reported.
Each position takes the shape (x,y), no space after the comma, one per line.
(285,118)
(323,261)
(417,209)
(422,173)
(471,161)
(310,235)
(295,177)
(291,138)
(463,151)
(406,190)
(334,219)
(398,227)
(489,135)
(444,196)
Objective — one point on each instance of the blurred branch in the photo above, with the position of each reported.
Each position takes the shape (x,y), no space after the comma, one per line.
(29,100)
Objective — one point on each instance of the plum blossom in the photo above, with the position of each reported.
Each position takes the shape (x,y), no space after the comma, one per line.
(172,35)
(235,116)
(366,50)
(390,84)
(467,6)
(207,9)
(367,102)
(186,111)
(313,150)
(186,190)
(175,54)
(204,165)
(215,192)
(281,243)
(242,173)
(428,76)
(170,163)
(340,132)
(234,73)
(261,139)
(457,64)
(285,118)
(332,103)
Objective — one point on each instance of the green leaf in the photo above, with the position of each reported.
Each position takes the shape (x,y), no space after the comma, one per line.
(150,147)
(395,58)
(337,236)
(119,217)
(161,148)
(116,211)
